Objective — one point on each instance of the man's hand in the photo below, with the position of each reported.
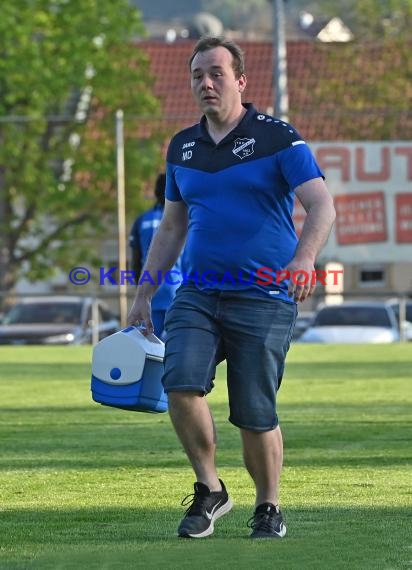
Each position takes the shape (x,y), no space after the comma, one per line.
(302,279)
(141,315)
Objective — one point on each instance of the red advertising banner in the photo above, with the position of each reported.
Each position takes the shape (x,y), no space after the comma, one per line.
(371,183)
(404,218)
(360,218)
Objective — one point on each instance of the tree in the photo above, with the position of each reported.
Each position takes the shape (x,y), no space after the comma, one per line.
(372,19)
(65,67)
(368,19)
(361,86)
(375,70)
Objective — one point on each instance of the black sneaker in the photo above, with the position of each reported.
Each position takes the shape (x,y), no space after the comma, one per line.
(205,507)
(267,522)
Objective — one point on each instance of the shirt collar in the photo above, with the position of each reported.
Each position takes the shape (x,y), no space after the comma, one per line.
(240,129)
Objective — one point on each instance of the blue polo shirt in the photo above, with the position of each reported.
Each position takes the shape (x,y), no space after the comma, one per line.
(240,198)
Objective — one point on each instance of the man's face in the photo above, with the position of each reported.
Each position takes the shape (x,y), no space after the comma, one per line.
(214,84)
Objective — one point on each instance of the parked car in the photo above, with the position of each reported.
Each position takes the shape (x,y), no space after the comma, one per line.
(353,322)
(55,319)
(303,321)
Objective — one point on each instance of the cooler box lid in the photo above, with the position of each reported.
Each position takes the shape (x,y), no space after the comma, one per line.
(120,358)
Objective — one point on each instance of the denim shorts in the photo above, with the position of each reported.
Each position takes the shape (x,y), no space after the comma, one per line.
(252,333)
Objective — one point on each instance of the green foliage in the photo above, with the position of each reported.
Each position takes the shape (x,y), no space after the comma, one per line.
(84,486)
(372,19)
(58,168)
(368,19)
(373,86)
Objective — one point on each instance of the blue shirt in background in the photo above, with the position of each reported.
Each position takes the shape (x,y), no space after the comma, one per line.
(141,235)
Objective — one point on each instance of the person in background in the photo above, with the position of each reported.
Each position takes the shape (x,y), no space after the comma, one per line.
(140,238)
(230,189)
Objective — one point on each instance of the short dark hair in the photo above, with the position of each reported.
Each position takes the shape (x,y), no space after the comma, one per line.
(159,189)
(209,42)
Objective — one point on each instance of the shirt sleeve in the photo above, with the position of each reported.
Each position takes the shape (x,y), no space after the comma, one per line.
(172,189)
(298,165)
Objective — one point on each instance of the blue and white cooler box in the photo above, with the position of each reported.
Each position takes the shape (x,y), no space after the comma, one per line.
(127,369)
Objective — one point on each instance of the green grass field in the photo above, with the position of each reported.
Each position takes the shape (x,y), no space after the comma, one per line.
(83,486)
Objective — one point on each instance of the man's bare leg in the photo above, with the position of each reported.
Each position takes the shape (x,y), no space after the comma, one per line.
(263,456)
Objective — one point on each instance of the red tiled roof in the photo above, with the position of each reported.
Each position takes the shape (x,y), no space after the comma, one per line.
(332,87)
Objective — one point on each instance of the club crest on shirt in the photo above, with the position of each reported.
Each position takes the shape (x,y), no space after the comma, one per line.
(243,147)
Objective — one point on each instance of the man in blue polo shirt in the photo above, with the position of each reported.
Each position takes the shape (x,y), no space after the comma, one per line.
(140,238)
(231,184)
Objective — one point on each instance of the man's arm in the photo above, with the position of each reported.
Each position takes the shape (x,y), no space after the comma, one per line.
(163,252)
(320,215)
(136,260)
